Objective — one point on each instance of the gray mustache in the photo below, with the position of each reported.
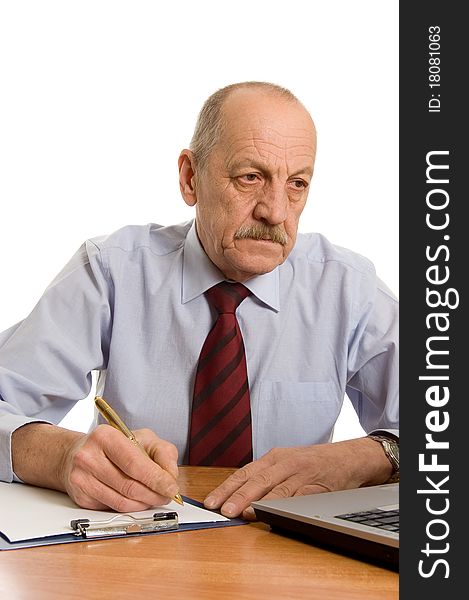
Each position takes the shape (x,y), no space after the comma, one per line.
(262,231)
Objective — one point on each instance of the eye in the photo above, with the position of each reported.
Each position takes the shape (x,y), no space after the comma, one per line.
(299,184)
(248,178)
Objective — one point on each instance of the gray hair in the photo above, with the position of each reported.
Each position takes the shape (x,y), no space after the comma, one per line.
(210,123)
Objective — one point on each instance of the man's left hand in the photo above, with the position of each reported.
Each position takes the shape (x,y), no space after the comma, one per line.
(284,472)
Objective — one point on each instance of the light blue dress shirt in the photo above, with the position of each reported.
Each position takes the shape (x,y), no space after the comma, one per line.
(131,306)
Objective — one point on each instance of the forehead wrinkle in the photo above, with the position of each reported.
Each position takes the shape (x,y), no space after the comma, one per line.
(271,153)
(241,143)
(302,145)
(287,154)
(286,150)
(268,133)
(308,155)
(247,146)
(242,154)
(260,159)
(254,149)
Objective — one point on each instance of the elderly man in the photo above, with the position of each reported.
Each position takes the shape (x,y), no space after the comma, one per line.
(230,340)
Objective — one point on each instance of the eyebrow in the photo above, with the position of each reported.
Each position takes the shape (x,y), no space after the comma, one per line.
(257,165)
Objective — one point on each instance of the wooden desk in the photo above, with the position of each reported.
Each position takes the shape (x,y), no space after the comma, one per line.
(239,563)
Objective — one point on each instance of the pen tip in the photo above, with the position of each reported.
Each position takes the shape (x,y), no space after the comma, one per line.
(178,499)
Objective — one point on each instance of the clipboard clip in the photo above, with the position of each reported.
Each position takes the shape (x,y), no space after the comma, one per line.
(123,524)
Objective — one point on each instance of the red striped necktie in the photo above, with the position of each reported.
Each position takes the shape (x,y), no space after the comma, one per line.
(220,432)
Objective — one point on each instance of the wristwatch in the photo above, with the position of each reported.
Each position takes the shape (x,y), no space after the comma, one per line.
(391,449)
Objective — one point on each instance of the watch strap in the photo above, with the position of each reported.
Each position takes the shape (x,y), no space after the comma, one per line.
(391,448)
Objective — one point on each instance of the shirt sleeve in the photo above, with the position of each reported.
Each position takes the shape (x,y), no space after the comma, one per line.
(46,360)
(373,365)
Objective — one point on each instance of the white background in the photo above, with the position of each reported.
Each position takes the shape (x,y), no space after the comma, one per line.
(98,98)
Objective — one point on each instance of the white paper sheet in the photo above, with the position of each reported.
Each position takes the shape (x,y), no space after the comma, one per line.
(28,512)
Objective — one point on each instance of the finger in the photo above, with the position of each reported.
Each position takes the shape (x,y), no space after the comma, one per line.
(161,451)
(249,514)
(91,465)
(294,486)
(217,496)
(316,488)
(286,488)
(111,476)
(130,459)
(256,487)
(91,493)
(235,481)
(291,487)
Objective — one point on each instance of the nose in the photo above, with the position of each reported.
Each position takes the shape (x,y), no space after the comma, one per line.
(272,205)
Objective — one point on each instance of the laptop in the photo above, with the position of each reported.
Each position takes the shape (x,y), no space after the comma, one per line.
(362,523)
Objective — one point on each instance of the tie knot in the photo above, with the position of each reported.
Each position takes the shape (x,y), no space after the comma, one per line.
(225,297)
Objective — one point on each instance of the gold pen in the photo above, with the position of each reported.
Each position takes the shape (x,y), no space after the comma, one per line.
(115,421)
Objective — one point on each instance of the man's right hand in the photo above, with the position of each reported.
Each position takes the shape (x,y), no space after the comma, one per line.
(99,470)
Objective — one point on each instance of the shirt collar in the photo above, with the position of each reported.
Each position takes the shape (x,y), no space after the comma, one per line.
(199,274)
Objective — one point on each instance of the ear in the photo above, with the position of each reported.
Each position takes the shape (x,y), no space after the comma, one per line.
(186,164)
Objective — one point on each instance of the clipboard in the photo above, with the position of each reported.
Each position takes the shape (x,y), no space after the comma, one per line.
(95,525)
(123,524)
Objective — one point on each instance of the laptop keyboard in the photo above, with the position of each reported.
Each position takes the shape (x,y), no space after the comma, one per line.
(383,519)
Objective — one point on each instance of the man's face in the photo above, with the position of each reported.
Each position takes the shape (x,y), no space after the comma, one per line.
(251,193)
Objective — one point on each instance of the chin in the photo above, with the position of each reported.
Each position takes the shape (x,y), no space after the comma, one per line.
(257,265)
(254,257)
